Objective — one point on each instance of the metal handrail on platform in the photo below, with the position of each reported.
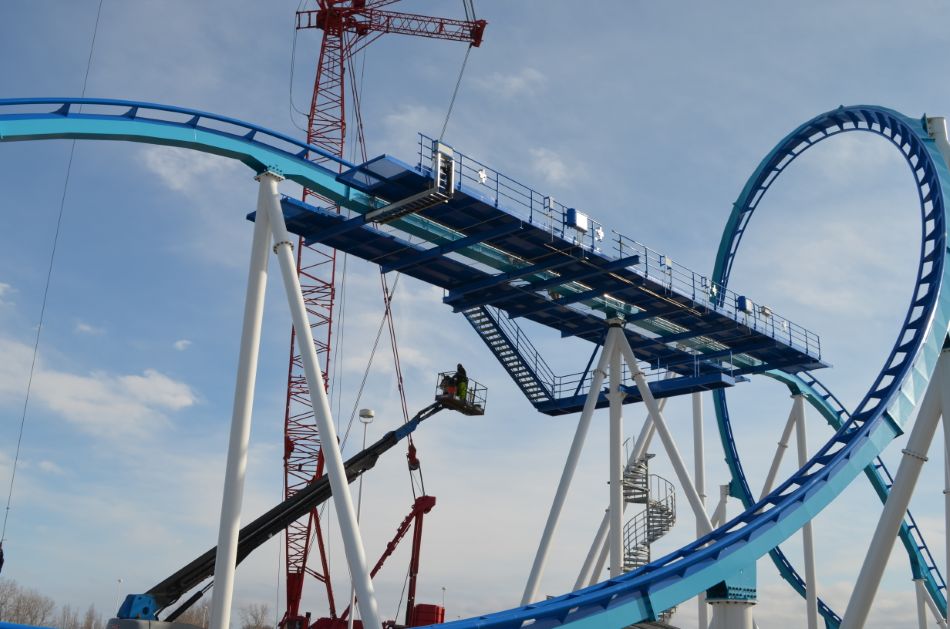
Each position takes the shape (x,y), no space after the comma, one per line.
(543,210)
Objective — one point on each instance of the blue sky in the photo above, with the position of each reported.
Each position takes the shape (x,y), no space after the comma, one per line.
(648,115)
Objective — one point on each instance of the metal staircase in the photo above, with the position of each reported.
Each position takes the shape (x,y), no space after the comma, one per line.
(657,518)
(514,351)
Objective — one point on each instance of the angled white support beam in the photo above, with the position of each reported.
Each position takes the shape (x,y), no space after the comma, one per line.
(921,592)
(342,500)
(588,575)
(597,555)
(615,460)
(719,515)
(946,494)
(808,542)
(885,535)
(570,466)
(699,457)
(779,453)
(236,467)
(932,605)
(682,474)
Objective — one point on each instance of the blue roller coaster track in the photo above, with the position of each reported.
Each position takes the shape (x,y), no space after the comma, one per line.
(681,575)
(887,124)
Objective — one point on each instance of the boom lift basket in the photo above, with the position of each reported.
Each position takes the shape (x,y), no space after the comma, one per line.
(470,401)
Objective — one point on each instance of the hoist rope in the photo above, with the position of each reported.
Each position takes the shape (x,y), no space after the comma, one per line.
(293,63)
(469,7)
(455,92)
(49,274)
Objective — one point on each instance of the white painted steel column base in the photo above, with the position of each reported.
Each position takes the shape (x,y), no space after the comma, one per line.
(233,494)
(731,614)
(323,418)
(570,465)
(885,534)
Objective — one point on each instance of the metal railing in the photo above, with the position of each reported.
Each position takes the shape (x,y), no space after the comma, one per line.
(526,350)
(545,212)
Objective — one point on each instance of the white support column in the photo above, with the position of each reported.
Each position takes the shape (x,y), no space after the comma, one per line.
(615,460)
(731,614)
(686,483)
(342,500)
(921,603)
(699,457)
(719,516)
(226,556)
(935,612)
(811,585)
(945,406)
(779,452)
(587,568)
(591,570)
(570,466)
(885,535)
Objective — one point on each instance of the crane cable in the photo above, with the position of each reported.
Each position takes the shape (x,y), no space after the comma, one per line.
(49,274)
(469,7)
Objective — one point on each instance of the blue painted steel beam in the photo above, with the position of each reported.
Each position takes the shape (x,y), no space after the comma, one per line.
(653,313)
(486,296)
(668,387)
(573,298)
(461,243)
(554,261)
(354,222)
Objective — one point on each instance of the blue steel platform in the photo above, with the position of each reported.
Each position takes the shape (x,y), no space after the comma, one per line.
(498,244)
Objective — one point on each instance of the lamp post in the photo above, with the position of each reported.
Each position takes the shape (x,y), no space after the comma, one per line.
(366,418)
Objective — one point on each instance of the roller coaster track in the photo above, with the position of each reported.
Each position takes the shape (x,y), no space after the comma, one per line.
(880,122)
(684,573)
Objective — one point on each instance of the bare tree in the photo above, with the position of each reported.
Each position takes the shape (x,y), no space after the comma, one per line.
(29,607)
(255,616)
(92,619)
(68,618)
(8,592)
(198,615)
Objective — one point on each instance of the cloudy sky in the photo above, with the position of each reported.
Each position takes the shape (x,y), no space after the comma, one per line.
(650,116)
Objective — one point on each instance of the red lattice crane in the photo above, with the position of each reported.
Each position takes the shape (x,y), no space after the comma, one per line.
(348,26)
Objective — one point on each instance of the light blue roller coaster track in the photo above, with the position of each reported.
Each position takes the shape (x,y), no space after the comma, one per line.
(681,575)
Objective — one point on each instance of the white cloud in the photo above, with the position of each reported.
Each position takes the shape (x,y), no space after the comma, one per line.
(158,390)
(50,468)
(183,170)
(181,344)
(550,166)
(402,124)
(85,328)
(511,84)
(97,403)
(5,289)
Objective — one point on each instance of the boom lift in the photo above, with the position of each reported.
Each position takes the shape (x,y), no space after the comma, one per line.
(147,606)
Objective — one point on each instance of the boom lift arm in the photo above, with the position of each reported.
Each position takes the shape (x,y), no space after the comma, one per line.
(147,606)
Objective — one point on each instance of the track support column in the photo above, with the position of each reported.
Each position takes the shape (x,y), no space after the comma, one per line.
(946,492)
(915,454)
(779,452)
(233,495)
(570,466)
(921,592)
(686,483)
(597,555)
(699,457)
(342,500)
(615,477)
(811,585)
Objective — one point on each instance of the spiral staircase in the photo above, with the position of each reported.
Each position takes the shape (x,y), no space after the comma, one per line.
(657,518)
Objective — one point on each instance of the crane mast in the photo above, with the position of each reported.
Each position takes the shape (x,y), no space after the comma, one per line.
(348,26)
